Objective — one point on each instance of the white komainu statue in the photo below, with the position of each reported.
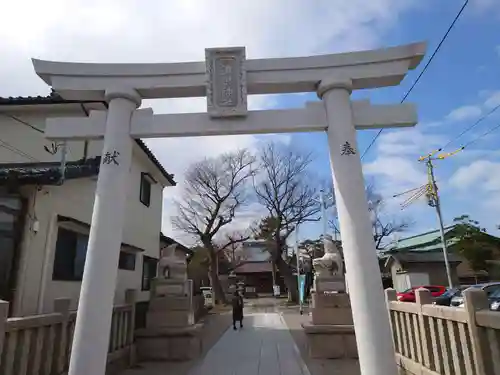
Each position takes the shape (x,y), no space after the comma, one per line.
(330,264)
(171,266)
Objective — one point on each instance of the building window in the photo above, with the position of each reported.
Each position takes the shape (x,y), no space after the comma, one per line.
(149,266)
(71,251)
(127,261)
(145,193)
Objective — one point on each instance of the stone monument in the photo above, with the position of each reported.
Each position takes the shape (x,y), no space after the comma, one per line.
(171,332)
(331,331)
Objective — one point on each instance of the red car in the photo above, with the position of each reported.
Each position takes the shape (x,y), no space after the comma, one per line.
(409,295)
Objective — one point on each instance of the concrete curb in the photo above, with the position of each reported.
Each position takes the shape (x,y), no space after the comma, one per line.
(303,366)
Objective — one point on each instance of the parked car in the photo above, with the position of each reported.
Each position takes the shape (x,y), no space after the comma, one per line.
(445,298)
(409,295)
(489,288)
(495,300)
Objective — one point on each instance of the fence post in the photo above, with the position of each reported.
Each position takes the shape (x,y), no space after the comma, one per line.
(424,297)
(4,313)
(475,300)
(61,306)
(390,296)
(130,299)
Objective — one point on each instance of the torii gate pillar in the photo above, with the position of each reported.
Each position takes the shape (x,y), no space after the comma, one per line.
(95,307)
(373,331)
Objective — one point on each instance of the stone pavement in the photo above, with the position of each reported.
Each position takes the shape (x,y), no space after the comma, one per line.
(263,347)
(215,324)
(316,366)
(267,345)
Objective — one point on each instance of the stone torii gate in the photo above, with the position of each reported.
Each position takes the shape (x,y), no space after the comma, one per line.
(226,78)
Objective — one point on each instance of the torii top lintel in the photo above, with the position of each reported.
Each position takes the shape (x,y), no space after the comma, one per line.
(366,69)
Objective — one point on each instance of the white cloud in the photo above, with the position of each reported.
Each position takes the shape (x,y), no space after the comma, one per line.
(493,100)
(481,175)
(430,124)
(485,6)
(396,168)
(481,178)
(488,100)
(408,142)
(397,171)
(174,31)
(464,113)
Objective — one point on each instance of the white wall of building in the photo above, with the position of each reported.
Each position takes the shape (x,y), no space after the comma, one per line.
(35,288)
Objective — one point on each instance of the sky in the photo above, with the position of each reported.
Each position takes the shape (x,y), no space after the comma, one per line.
(461,84)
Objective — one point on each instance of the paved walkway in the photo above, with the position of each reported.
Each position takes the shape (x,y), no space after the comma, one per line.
(263,347)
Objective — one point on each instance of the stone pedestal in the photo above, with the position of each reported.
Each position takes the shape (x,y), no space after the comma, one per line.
(172,305)
(331,341)
(171,333)
(331,330)
(331,309)
(169,344)
(329,284)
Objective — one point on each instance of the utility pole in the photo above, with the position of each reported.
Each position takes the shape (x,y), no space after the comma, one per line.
(298,266)
(433,201)
(323,211)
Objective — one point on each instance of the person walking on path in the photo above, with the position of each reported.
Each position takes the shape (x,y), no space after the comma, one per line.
(237,309)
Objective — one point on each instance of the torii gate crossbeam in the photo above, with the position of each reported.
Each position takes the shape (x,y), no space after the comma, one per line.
(226,78)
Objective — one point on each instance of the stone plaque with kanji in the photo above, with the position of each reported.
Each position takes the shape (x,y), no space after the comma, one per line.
(226,82)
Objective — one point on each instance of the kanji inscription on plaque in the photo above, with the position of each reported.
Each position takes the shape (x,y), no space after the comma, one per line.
(226,82)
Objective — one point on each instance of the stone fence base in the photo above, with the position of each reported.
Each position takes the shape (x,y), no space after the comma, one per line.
(169,344)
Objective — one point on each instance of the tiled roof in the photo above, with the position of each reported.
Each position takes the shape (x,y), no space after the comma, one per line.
(422,242)
(46,173)
(430,241)
(52,98)
(55,98)
(253,267)
(156,162)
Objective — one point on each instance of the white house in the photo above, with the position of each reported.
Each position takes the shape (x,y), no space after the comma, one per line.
(44,219)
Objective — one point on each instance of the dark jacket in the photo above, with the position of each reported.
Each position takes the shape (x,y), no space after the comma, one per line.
(237,308)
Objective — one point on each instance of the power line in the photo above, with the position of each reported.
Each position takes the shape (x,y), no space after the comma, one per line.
(15,118)
(422,72)
(481,136)
(477,122)
(407,191)
(445,155)
(15,150)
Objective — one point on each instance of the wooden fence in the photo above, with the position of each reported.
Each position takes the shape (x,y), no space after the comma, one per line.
(41,344)
(442,340)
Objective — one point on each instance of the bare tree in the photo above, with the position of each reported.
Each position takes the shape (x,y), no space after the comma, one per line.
(215,189)
(384,226)
(230,246)
(290,197)
(312,249)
